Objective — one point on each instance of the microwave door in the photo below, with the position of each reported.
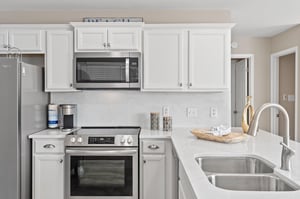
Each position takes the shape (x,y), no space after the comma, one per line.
(102,73)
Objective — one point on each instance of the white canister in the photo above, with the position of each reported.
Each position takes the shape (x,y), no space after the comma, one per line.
(52,116)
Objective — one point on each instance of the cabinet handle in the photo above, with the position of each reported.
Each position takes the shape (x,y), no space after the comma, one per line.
(104,44)
(191,84)
(153,147)
(180,84)
(71,85)
(49,146)
(6,46)
(108,45)
(61,161)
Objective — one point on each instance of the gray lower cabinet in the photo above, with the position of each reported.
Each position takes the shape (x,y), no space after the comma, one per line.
(48,169)
(154,179)
(185,190)
(158,170)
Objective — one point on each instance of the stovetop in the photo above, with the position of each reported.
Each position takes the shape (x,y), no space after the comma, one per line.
(104,136)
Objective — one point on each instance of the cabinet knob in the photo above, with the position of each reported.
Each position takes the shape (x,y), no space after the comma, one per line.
(104,44)
(49,146)
(144,161)
(153,147)
(191,84)
(71,85)
(61,161)
(180,84)
(108,45)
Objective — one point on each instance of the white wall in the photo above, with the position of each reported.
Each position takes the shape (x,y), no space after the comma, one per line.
(120,107)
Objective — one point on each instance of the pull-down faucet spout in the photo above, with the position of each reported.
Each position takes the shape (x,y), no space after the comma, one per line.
(287,152)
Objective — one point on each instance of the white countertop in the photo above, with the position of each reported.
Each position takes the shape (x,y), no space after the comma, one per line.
(51,133)
(149,134)
(265,145)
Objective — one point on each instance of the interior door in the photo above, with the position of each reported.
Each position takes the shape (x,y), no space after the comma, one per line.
(239,90)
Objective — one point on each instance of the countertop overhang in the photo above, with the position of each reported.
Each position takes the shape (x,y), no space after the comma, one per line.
(265,145)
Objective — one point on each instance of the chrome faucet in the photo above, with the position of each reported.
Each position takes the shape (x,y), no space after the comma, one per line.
(287,152)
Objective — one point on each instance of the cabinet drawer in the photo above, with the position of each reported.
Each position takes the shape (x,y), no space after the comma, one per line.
(153,146)
(49,146)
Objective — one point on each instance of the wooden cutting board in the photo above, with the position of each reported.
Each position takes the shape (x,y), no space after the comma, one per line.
(232,137)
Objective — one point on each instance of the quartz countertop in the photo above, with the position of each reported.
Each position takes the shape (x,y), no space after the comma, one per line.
(51,133)
(265,145)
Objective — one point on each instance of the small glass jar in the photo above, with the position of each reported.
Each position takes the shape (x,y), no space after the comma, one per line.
(154,121)
(167,123)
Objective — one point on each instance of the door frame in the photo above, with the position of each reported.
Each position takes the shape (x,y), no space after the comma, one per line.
(250,57)
(275,86)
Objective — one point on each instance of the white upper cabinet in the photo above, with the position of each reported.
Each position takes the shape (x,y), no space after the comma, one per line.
(105,37)
(29,41)
(59,61)
(163,59)
(91,39)
(186,57)
(124,38)
(209,56)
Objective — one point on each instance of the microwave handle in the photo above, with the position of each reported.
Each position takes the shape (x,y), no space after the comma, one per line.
(127,69)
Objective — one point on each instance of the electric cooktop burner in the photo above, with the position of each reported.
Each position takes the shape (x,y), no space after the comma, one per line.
(104,136)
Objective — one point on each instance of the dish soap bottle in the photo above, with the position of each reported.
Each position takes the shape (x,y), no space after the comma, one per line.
(248,113)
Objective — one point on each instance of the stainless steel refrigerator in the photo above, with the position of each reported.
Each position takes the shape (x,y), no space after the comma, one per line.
(23,111)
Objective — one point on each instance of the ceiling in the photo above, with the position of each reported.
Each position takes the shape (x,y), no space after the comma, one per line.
(263,18)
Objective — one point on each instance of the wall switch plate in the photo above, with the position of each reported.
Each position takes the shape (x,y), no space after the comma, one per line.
(191,112)
(166,111)
(213,112)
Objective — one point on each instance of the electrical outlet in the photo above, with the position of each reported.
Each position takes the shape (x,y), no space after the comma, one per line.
(213,112)
(191,112)
(166,111)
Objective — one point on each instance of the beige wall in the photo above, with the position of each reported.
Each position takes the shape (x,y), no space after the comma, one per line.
(287,87)
(150,16)
(285,40)
(261,48)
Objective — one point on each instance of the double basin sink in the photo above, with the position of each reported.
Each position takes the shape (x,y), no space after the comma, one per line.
(243,173)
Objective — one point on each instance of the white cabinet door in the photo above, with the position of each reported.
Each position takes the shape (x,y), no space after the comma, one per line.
(59,61)
(181,194)
(90,39)
(48,177)
(163,59)
(124,38)
(28,40)
(3,40)
(209,54)
(154,177)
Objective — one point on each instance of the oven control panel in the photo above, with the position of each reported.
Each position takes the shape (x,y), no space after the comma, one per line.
(94,140)
(101,140)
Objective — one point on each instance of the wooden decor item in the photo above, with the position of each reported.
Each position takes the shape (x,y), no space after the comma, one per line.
(230,138)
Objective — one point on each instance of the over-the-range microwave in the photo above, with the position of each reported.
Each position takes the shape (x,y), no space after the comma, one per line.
(107,70)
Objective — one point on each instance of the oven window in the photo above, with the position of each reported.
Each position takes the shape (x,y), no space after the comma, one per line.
(101,70)
(101,176)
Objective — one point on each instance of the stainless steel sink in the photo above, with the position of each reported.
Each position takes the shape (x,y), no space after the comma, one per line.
(234,164)
(265,182)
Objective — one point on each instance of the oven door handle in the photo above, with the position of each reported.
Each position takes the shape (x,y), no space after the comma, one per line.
(100,152)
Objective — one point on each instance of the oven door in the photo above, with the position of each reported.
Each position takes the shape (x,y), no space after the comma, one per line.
(101,173)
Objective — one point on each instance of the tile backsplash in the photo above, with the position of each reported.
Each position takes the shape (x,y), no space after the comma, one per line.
(132,108)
